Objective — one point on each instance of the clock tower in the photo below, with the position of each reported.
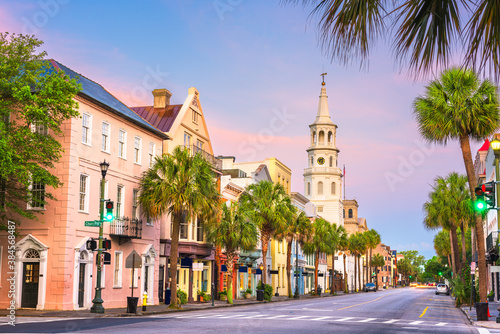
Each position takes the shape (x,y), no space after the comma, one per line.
(323,177)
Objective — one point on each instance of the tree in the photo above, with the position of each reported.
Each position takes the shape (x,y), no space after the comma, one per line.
(269,207)
(183,186)
(442,245)
(344,248)
(460,106)
(336,233)
(377,261)
(424,31)
(405,268)
(356,248)
(318,242)
(415,261)
(233,232)
(298,229)
(372,240)
(35,100)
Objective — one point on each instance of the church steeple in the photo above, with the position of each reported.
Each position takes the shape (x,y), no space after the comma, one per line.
(323,116)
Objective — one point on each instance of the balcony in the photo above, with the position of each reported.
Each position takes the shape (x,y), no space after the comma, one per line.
(126,229)
(491,241)
(215,162)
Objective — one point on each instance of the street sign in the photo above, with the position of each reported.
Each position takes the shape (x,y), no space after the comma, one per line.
(473,268)
(133,260)
(93,223)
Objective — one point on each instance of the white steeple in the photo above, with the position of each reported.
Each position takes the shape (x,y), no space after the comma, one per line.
(323,116)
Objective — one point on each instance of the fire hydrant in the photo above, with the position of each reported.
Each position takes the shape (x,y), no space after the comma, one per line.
(144,301)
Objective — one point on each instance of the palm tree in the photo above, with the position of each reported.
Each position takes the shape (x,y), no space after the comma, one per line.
(269,208)
(344,248)
(298,229)
(372,239)
(318,242)
(233,232)
(377,261)
(460,106)
(336,233)
(183,186)
(424,31)
(356,246)
(442,245)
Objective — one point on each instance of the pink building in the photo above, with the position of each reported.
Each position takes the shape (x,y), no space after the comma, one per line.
(53,268)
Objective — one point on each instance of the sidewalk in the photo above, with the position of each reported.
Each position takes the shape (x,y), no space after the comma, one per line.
(470,312)
(152,309)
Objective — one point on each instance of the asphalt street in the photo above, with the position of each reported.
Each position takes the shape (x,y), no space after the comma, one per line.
(409,310)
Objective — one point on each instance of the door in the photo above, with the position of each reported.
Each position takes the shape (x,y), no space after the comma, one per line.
(30,284)
(146,279)
(81,285)
(161,282)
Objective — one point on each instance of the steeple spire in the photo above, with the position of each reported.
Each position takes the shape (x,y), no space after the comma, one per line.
(323,116)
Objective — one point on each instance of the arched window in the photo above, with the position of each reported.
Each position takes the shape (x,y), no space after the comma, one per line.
(343,213)
(333,188)
(308,188)
(320,188)
(314,137)
(321,138)
(330,138)
(331,161)
(350,213)
(312,160)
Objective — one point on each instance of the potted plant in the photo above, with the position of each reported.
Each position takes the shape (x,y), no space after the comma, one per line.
(200,295)
(223,295)
(248,293)
(491,295)
(206,297)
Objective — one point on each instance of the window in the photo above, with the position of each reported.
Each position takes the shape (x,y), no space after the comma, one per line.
(135,192)
(343,213)
(333,188)
(119,202)
(137,149)
(320,208)
(184,227)
(308,188)
(331,161)
(187,139)
(40,129)
(199,229)
(350,213)
(37,200)
(122,144)
(199,144)
(312,161)
(195,117)
(84,186)
(117,274)
(105,137)
(86,128)
(320,188)
(151,154)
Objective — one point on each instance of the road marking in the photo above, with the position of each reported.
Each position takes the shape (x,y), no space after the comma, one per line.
(319,319)
(442,324)
(232,316)
(367,320)
(416,322)
(277,316)
(344,319)
(300,317)
(424,312)
(370,301)
(255,316)
(483,330)
(391,321)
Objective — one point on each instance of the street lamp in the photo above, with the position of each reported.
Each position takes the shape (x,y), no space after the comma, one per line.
(296,295)
(97,301)
(495,145)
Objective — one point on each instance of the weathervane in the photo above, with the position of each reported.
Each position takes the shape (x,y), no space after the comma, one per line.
(323,75)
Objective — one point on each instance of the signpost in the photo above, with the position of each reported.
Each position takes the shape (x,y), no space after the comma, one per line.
(93,223)
(132,261)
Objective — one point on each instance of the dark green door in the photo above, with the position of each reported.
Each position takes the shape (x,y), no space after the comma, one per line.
(81,285)
(30,284)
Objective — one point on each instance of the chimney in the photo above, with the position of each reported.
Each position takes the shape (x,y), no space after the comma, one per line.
(161,98)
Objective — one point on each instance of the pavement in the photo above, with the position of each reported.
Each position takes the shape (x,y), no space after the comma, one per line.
(470,312)
(152,309)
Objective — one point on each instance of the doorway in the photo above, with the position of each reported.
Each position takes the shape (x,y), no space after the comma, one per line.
(31,273)
(81,285)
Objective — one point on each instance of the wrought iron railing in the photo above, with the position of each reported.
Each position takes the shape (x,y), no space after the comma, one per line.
(126,228)
(491,240)
(215,162)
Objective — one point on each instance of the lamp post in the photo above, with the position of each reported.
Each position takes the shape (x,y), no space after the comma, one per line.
(495,145)
(97,301)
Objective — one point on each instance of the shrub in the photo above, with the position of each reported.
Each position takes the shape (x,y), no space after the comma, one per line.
(268,290)
(182,296)
(248,291)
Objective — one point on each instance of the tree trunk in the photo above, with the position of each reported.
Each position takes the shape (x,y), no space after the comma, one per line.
(332,288)
(449,260)
(371,254)
(455,251)
(355,274)
(376,277)
(230,268)
(289,267)
(265,243)
(366,266)
(218,252)
(471,176)
(174,248)
(360,272)
(464,253)
(316,264)
(345,277)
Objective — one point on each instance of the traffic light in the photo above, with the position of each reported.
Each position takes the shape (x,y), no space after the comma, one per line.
(91,245)
(489,193)
(410,276)
(479,203)
(109,211)
(106,244)
(440,273)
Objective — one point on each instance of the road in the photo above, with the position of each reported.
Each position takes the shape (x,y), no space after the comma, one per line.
(408,310)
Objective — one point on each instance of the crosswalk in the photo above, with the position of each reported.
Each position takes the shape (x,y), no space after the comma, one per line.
(287,317)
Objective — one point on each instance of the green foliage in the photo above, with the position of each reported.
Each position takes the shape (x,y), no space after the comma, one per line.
(31,92)
(268,290)
(378,260)
(182,296)
(223,293)
(248,291)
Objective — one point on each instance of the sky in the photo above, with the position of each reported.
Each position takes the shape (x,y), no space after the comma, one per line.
(257,63)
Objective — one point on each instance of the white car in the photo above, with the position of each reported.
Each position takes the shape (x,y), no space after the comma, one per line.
(442,288)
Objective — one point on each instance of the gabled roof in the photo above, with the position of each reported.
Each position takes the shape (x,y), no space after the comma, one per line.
(485,146)
(161,118)
(97,94)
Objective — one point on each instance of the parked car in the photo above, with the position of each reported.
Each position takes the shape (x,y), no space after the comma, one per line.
(370,287)
(442,288)
(413,284)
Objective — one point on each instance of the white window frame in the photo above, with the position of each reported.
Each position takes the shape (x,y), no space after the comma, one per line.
(152,149)
(120,200)
(122,144)
(117,270)
(135,203)
(30,206)
(89,129)
(86,193)
(189,137)
(195,117)
(137,150)
(105,137)
(38,129)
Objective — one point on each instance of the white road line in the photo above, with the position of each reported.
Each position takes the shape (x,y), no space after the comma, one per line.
(300,317)
(482,330)
(368,320)
(255,316)
(319,319)
(344,319)
(416,322)
(390,321)
(232,316)
(278,316)
(442,324)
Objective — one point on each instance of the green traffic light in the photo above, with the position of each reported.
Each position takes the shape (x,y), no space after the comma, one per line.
(440,273)
(480,205)
(109,217)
